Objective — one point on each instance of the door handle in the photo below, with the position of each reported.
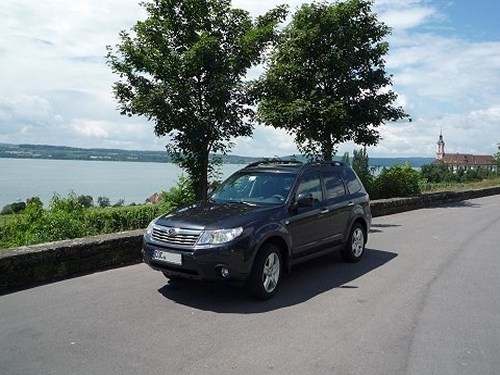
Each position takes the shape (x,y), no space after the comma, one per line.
(350,204)
(325,211)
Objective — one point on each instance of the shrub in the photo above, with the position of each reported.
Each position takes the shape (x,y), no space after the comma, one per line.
(397,181)
(69,217)
(180,195)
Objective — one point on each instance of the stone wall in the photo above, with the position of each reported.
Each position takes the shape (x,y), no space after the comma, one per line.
(34,265)
(392,206)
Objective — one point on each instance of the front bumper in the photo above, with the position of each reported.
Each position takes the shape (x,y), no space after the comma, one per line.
(203,263)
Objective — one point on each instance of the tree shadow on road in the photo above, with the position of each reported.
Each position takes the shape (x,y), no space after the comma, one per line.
(306,281)
(458,204)
(378,228)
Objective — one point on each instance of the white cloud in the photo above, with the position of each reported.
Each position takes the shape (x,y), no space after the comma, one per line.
(266,142)
(406,17)
(93,129)
(56,87)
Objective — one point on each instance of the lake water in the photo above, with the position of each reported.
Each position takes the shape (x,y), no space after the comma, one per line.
(133,182)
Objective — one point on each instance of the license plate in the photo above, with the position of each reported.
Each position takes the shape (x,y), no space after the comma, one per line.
(166,256)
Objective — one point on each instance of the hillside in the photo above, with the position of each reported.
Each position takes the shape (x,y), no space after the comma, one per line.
(24,151)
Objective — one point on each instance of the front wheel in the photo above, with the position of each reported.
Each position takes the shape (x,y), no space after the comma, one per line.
(266,272)
(355,246)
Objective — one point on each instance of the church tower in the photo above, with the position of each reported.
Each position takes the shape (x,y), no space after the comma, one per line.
(440,147)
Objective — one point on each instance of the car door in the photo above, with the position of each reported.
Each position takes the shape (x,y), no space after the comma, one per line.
(338,204)
(308,225)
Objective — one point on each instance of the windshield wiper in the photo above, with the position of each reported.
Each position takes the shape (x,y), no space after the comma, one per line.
(244,202)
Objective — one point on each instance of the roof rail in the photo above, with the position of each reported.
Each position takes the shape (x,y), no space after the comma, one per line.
(273,161)
(333,163)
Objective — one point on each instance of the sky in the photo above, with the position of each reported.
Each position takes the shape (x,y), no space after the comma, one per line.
(56,88)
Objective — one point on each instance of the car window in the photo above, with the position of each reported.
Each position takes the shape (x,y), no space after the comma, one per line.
(353,184)
(334,186)
(310,183)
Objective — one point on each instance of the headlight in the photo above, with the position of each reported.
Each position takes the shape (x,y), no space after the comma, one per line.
(219,236)
(149,229)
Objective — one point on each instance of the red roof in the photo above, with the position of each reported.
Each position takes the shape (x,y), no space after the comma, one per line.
(155,198)
(468,159)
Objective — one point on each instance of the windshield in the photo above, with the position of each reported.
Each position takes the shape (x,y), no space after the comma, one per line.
(255,187)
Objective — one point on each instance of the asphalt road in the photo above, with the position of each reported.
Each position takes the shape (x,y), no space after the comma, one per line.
(424,300)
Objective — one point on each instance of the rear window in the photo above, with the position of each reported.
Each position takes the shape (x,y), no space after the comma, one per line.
(353,184)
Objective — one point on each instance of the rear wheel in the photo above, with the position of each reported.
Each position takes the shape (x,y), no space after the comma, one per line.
(266,272)
(355,246)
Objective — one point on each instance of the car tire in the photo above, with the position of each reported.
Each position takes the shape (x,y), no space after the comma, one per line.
(266,272)
(355,246)
(171,277)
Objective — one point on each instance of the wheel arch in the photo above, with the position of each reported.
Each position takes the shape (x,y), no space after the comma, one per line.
(357,220)
(274,233)
(283,247)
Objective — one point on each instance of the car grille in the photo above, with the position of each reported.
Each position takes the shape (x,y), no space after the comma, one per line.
(176,236)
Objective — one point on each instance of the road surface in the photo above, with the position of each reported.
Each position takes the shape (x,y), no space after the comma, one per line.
(424,300)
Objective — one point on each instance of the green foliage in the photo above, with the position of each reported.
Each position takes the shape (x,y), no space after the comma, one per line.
(326,82)
(118,219)
(13,208)
(184,67)
(180,195)
(69,204)
(68,218)
(437,173)
(103,202)
(119,203)
(497,158)
(397,181)
(86,201)
(361,165)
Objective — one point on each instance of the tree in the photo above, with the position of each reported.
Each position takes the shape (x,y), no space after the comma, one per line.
(497,158)
(345,158)
(185,68)
(103,202)
(361,165)
(86,201)
(326,82)
(13,208)
(119,203)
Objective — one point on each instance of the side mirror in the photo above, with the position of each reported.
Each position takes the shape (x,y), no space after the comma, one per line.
(305,200)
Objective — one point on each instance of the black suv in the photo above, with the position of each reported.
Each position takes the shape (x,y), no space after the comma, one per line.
(261,221)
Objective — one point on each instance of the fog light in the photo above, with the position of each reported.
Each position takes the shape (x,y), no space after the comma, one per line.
(224,271)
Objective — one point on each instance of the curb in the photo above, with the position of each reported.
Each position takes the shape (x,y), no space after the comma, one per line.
(29,266)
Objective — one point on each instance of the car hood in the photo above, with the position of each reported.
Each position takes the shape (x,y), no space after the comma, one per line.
(214,215)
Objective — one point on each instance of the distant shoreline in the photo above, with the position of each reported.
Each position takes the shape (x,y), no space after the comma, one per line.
(28,151)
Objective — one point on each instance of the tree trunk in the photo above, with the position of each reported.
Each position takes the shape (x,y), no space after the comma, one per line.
(327,151)
(201,192)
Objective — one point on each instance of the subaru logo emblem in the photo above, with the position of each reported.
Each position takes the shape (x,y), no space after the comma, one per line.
(172,232)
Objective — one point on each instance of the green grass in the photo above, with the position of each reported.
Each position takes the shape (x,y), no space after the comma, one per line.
(453,186)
